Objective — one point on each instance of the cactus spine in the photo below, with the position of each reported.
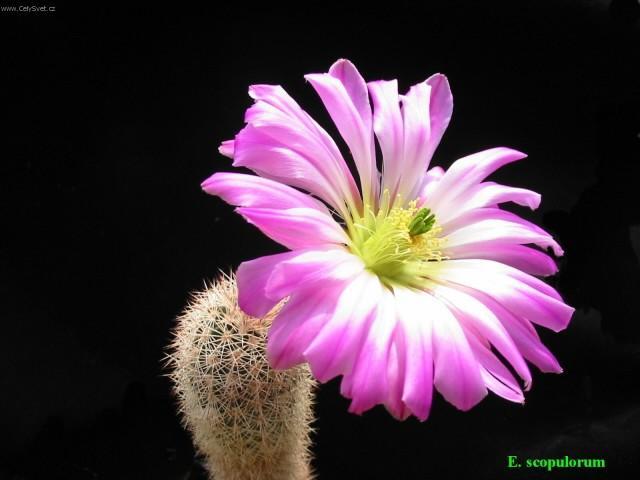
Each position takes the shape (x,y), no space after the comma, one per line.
(248,420)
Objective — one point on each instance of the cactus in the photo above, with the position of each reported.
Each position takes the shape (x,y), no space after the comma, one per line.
(248,420)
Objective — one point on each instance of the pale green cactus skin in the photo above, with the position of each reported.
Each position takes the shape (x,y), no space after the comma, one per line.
(246,419)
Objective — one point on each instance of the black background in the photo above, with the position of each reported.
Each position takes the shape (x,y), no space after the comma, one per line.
(112,119)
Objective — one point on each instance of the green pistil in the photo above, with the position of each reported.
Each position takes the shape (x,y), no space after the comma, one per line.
(422,222)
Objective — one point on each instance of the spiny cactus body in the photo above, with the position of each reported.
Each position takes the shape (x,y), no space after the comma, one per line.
(248,420)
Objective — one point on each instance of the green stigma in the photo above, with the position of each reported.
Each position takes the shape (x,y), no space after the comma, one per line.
(422,222)
(396,243)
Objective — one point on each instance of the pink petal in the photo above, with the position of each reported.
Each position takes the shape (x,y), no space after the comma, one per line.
(496,376)
(299,322)
(489,194)
(252,277)
(523,258)
(389,128)
(416,327)
(477,317)
(440,109)
(524,336)
(426,111)
(502,269)
(284,143)
(494,225)
(277,159)
(227,148)
(338,344)
(457,374)
(344,94)
(346,72)
(395,374)
(417,139)
(409,137)
(522,294)
(429,182)
(251,191)
(488,213)
(367,385)
(465,173)
(312,267)
(296,227)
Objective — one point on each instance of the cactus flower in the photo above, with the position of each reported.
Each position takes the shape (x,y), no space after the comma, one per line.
(408,279)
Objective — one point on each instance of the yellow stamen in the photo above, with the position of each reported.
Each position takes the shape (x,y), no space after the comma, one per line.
(386,246)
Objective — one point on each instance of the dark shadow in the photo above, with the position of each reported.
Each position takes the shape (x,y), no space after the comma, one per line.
(600,269)
(625,12)
(140,440)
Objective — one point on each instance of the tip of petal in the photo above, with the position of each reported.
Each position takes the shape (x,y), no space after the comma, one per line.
(551,367)
(342,69)
(467,404)
(399,412)
(275,361)
(356,409)
(438,80)
(511,153)
(227,148)
(320,374)
(204,185)
(259,91)
(420,413)
(211,184)
(315,77)
(547,363)
(548,269)
(533,201)
(567,315)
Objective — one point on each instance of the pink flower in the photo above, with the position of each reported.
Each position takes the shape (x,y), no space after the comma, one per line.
(407,280)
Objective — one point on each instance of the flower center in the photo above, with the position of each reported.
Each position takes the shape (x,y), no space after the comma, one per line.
(397,241)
